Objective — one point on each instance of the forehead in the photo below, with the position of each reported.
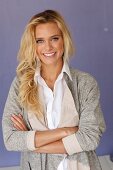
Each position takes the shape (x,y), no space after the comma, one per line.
(47,29)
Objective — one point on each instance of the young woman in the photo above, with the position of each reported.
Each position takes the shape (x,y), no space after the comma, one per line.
(52,113)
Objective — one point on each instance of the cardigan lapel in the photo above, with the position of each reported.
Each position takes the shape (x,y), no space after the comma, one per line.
(72,85)
(69,115)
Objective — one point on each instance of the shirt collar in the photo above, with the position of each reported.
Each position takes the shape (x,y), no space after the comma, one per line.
(65,69)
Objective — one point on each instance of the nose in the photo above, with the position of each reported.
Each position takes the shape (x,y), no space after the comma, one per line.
(48,45)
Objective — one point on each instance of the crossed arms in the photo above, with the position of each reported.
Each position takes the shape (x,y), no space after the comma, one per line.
(49,141)
(84,138)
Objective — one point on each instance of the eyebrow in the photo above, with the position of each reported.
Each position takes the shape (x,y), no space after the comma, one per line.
(56,35)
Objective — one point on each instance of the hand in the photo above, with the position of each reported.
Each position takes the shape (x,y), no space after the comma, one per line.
(71,130)
(48,136)
(18,122)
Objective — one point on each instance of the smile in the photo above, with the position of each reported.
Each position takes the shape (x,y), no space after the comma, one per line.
(49,54)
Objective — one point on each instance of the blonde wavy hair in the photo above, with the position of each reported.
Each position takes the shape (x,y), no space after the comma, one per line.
(28,89)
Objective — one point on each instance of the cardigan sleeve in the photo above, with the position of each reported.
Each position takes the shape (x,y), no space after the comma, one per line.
(91,124)
(14,140)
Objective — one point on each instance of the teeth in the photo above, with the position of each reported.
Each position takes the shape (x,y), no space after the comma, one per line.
(49,54)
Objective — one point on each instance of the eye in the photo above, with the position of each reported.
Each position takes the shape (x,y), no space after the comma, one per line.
(39,41)
(55,38)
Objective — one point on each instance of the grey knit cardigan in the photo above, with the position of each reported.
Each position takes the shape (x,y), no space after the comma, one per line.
(86,96)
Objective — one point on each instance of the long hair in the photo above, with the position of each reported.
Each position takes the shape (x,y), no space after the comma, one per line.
(28,89)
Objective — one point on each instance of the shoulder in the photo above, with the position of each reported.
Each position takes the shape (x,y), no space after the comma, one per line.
(14,85)
(82,77)
(86,84)
(15,81)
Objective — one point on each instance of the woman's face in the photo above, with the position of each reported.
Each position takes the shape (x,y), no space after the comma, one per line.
(49,43)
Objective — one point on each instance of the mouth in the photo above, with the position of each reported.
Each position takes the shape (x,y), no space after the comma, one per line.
(50,54)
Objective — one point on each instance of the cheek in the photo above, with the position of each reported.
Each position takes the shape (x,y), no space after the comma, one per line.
(38,50)
(61,47)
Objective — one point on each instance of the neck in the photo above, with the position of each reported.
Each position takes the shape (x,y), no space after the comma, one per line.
(51,72)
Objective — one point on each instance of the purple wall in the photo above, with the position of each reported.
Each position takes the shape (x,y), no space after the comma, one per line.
(91,24)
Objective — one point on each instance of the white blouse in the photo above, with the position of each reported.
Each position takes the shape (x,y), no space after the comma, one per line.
(53,102)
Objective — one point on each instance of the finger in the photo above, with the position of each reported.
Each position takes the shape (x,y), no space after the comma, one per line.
(18,124)
(20,116)
(16,118)
(18,128)
(23,123)
(20,120)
